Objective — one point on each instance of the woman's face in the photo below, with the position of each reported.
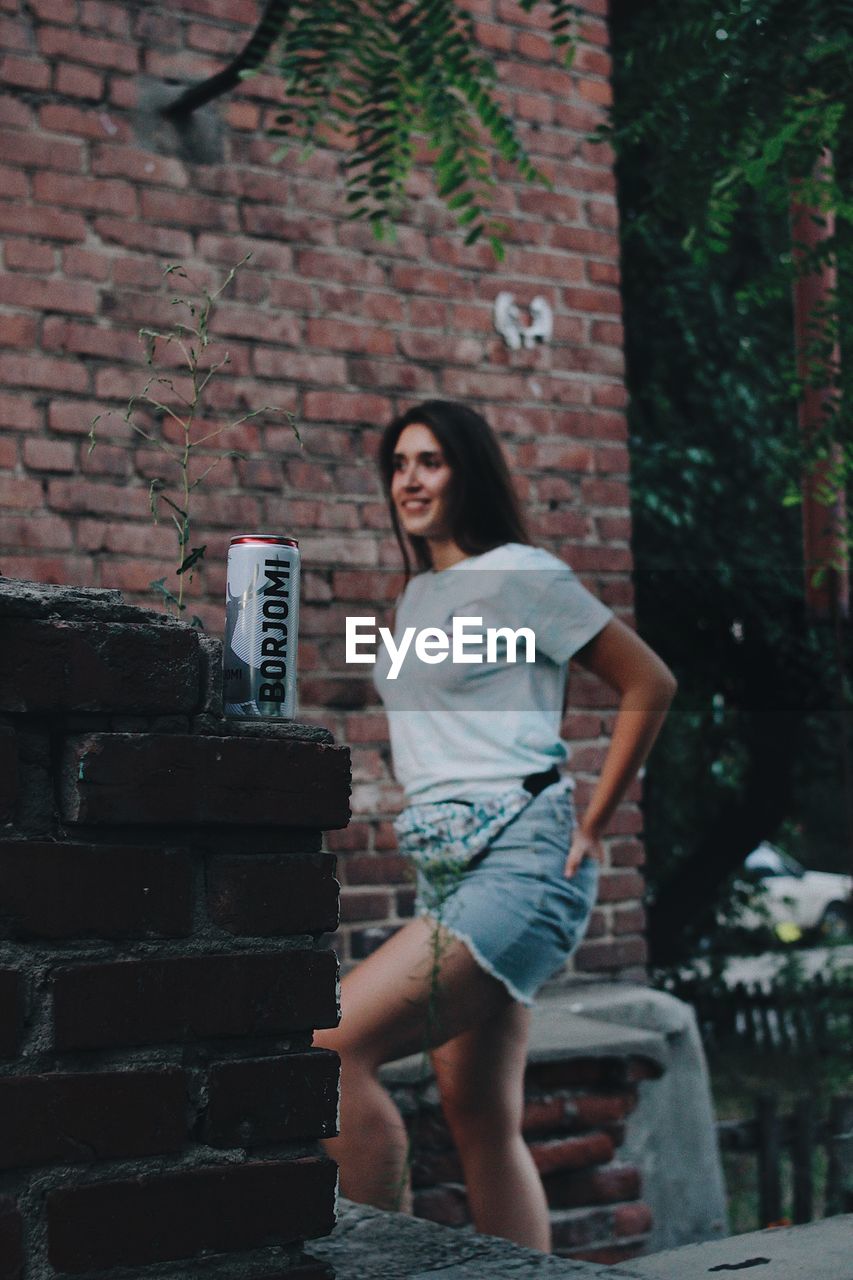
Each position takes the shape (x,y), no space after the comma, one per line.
(421,483)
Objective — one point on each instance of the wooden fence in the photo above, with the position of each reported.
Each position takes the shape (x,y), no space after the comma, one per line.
(817,1018)
(770,1133)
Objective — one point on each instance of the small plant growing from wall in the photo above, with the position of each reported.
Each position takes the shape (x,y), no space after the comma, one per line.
(172,400)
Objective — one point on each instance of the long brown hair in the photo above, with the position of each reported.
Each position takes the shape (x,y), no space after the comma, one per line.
(484,507)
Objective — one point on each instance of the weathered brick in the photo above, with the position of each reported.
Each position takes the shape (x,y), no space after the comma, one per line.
(632,1219)
(234,781)
(54,224)
(173,209)
(13,35)
(270,1100)
(43,371)
(57,665)
(141,235)
(358,905)
(572,1228)
(8,772)
(627,853)
(104,16)
(101,194)
(574,1072)
(10,1012)
(572,1153)
(357,834)
(34,152)
(52,890)
(607,1185)
(547,1114)
(340,406)
(339,335)
(72,81)
(431,1168)
(179,1215)
(14,183)
(87,264)
(446,1204)
(15,112)
(18,332)
(620,886)
(49,455)
(11,1240)
(595,1109)
(190,998)
(611,954)
(48,295)
(376,868)
(60,1118)
(140,166)
(629,920)
(115,55)
(26,73)
(270,895)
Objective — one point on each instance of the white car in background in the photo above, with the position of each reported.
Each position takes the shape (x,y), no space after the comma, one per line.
(793,900)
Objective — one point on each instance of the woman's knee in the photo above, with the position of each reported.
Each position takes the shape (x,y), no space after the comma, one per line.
(479,1114)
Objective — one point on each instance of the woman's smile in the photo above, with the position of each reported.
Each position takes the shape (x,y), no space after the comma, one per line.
(420,483)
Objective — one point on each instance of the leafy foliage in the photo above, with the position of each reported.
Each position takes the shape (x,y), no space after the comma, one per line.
(385,72)
(715,118)
(737,109)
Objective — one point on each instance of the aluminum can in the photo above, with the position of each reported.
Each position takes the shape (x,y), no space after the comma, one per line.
(261,627)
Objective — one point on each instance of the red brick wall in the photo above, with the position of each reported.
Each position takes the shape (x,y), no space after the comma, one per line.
(160,964)
(348,331)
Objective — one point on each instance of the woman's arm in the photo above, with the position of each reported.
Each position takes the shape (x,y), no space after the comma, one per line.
(647,686)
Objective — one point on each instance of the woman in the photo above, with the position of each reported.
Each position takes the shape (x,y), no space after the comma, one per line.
(475,743)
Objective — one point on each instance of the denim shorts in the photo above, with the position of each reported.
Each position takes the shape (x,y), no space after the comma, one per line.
(514,909)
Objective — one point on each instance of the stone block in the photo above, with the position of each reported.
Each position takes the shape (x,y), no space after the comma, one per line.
(180,1215)
(93,1116)
(282,1099)
(188,998)
(10,1012)
(607,1185)
(11,1240)
(270,896)
(53,890)
(8,773)
(56,665)
(572,1153)
(181,779)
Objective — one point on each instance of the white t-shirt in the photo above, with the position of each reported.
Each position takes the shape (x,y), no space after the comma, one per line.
(463,730)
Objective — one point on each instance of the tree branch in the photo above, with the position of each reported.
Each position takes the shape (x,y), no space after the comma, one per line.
(252,56)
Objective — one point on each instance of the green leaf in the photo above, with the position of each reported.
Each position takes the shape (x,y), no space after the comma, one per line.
(193,558)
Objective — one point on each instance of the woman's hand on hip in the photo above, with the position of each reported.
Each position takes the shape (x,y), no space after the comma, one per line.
(583,846)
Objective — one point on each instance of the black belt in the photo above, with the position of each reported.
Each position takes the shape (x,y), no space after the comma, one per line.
(536,782)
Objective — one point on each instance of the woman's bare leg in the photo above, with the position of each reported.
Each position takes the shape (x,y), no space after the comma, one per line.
(481,1077)
(391,1006)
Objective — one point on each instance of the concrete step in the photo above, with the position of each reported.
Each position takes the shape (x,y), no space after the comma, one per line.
(390,1246)
(817,1251)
